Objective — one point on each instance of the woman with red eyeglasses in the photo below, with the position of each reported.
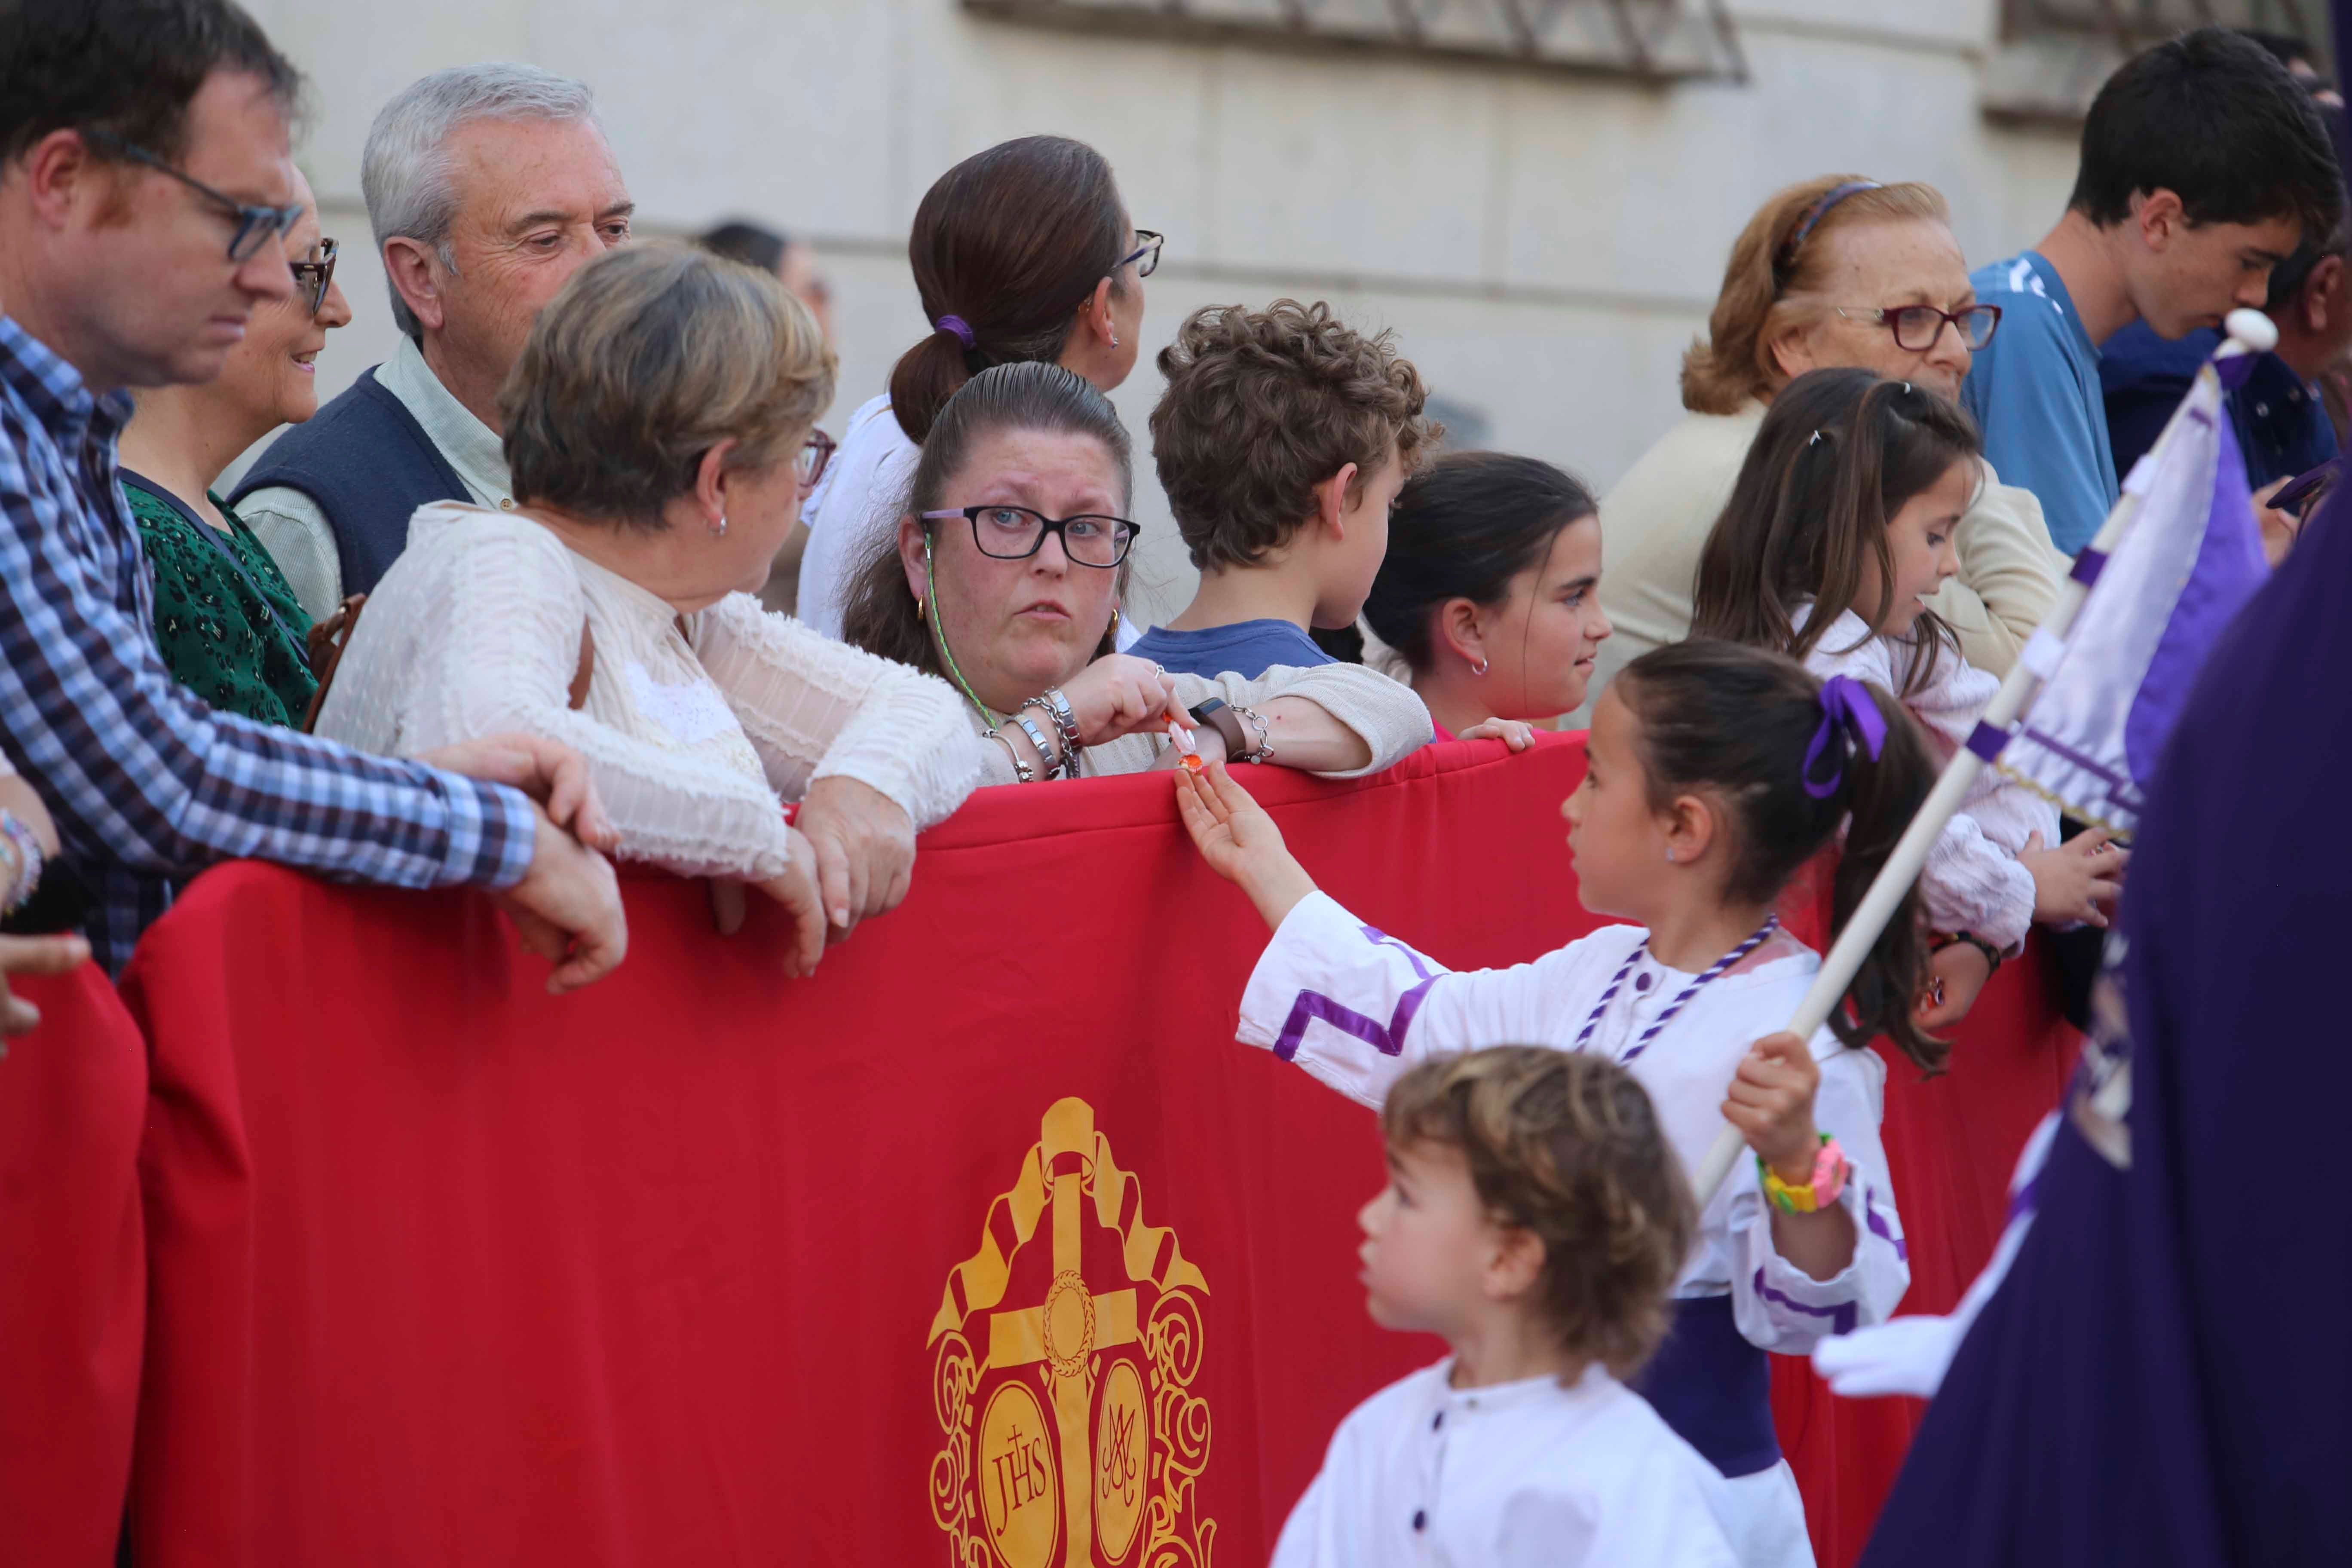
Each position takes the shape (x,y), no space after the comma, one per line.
(659,427)
(229,627)
(1841,272)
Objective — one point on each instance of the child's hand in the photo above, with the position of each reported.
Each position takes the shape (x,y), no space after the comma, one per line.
(1516,733)
(1240,841)
(1771,1102)
(1956,973)
(2072,881)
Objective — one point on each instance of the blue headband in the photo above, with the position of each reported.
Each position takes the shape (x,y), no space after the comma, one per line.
(1813,215)
(1847,705)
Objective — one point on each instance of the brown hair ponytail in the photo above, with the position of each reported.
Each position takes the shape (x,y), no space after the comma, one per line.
(1741,724)
(1008,244)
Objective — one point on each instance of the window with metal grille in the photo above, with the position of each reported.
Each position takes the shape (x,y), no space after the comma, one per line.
(1659,40)
(2054,54)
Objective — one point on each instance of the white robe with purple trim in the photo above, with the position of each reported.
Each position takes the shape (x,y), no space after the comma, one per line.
(1355,1007)
(1517,1475)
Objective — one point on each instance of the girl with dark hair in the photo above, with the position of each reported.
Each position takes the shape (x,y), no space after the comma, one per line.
(1490,592)
(1020,253)
(1716,773)
(1834,270)
(1839,529)
(1003,578)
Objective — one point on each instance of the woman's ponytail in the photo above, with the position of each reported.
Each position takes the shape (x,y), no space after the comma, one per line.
(1882,795)
(1006,247)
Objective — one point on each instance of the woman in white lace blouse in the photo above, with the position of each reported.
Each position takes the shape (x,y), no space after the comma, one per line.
(659,427)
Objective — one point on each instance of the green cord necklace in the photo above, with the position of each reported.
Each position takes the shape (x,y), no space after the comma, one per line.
(994,719)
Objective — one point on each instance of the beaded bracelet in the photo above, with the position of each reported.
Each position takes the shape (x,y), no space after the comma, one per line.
(1831,1169)
(1021,770)
(1939,940)
(24,851)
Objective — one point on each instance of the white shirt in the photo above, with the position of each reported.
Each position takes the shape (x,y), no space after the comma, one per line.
(1518,1475)
(854,509)
(1355,1008)
(1972,880)
(297,534)
(691,734)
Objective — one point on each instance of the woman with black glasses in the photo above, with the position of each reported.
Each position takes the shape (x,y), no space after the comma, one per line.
(1835,272)
(1005,577)
(229,627)
(1023,252)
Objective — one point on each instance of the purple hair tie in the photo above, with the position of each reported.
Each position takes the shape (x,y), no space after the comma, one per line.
(1845,704)
(960,328)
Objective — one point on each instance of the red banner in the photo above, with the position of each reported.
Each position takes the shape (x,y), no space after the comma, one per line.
(987,1245)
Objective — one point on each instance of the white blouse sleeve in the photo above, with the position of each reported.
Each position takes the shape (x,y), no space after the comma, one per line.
(1777,1306)
(1388,715)
(505,659)
(1355,1008)
(816,709)
(1972,884)
(1969,882)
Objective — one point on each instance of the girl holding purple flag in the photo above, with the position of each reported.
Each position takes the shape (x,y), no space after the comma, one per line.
(1839,530)
(1716,773)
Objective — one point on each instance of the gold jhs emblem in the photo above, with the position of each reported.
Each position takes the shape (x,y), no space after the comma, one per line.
(1077,1435)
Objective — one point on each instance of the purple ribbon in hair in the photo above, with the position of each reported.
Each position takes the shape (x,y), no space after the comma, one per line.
(1845,705)
(960,328)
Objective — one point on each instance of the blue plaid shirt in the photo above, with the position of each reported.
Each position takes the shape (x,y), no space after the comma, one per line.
(149,785)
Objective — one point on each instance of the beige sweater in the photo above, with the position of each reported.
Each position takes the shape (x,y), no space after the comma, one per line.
(1656,523)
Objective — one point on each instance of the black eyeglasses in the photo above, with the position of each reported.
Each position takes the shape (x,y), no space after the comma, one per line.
(1145,254)
(1916,327)
(814,454)
(1015,533)
(256,226)
(312,277)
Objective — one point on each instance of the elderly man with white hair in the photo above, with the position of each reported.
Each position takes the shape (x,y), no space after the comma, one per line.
(487,187)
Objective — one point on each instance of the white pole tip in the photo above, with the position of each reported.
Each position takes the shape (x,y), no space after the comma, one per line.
(2253,330)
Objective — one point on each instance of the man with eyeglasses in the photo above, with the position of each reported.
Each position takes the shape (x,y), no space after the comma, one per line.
(145,181)
(487,187)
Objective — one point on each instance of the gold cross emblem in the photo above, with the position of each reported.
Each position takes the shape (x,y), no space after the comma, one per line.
(1066,1482)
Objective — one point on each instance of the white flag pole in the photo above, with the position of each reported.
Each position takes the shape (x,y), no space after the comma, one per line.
(2250,331)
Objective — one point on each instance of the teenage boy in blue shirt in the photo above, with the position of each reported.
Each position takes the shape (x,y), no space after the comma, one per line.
(2203,166)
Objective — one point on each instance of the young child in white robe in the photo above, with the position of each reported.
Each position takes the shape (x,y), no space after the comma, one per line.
(1845,518)
(1534,1218)
(1715,773)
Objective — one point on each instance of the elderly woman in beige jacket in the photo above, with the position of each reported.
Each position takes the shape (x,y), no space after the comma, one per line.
(1816,280)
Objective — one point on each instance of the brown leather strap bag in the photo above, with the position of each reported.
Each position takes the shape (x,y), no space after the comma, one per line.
(330,637)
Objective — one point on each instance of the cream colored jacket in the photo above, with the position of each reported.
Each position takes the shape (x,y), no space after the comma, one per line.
(1656,521)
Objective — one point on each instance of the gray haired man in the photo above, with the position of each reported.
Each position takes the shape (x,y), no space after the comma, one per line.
(487,187)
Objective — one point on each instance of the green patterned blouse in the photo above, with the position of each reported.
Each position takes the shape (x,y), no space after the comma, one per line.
(214,623)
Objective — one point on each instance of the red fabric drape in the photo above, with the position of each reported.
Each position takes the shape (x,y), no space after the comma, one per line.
(697,1265)
(73,1272)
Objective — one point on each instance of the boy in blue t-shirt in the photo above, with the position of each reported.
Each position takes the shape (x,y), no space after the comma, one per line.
(1282,440)
(2203,164)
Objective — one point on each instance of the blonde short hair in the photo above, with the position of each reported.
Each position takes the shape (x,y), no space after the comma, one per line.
(649,357)
(1771,284)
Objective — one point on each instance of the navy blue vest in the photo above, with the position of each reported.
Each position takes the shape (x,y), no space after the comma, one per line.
(1714,1388)
(369,465)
